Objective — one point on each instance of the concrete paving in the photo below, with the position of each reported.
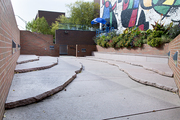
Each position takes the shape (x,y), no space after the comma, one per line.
(102,91)
(31,84)
(157,64)
(23,58)
(43,61)
(142,75)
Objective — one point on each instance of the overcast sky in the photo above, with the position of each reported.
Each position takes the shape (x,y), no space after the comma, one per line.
(27,9)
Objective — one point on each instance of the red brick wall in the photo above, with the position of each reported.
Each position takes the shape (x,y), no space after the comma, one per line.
(73,48)
(47,38)
(174,46)
(88,50)
(145,49)
(8,32)
(74,37)
(36,44)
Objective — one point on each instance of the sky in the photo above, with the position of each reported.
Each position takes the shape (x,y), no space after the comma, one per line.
(26,10)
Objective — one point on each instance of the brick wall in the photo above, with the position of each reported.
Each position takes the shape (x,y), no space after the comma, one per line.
(85,50)
(49,16)
(145,49)
(97,1)
(81,50)
(174,47)
(37,44)
(73,37)
(8,32)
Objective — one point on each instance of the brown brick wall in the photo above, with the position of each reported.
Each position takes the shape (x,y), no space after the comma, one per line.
(8,32)
(145,49)
(36,44)
(88,50)
(174,46)
(97,1)
(73,48)
(49,16)
(73,37)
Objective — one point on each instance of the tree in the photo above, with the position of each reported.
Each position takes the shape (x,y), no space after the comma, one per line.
(55,26)
(39,25)
(80,13)
(83,12)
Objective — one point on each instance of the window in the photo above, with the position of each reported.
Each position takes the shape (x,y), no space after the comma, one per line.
(175,58)
(19,47)
(13,47)
(51,47)
(83,50)
(169,54)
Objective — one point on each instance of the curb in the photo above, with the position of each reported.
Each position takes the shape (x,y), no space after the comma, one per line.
(170,89)
(35,69)
(42,96)
(26,61)
(150,69)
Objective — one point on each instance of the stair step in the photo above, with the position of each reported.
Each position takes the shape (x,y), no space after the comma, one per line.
(160,64)
(143,76)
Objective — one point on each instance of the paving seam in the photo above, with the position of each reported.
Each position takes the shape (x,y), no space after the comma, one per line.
(35,69)
(146,68)
(44,95)
(26,61)
(166,88)
(143,113)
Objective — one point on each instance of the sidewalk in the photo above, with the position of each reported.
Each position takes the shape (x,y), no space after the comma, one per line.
(101,91)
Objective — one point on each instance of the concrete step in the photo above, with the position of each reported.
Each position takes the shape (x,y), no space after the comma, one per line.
(27,58)
(44,62)
(158,64)
(31,87)
(142,75)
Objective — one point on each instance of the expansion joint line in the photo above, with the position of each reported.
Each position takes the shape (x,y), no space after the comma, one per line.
(143,113)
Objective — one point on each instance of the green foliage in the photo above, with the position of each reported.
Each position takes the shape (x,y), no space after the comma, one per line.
(154,42)
(39,25)
(159,34)
(174,31)
(149,31)
(83,12)
(135,37)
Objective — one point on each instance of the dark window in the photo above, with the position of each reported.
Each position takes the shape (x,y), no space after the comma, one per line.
(169,53)
(175,58)
(19,47)
(51,47)
(83,50)
(13,47)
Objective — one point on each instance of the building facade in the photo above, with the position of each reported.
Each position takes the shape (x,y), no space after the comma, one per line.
(121,14)
(49,16)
